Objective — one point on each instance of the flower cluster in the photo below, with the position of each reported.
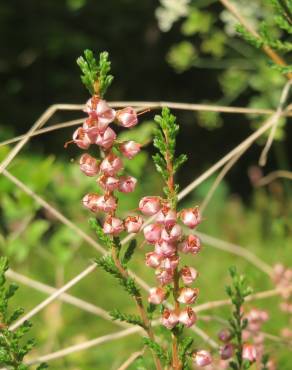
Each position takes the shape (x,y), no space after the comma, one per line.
(166,235)
(96,131)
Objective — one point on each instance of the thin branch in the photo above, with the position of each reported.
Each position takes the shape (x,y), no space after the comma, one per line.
(226,302)
(276,118)
(39,123)
(236,249)
(85,345)
(52,297)
(267,49)
(131,359)
(273,176)
(153,105)
(74,301)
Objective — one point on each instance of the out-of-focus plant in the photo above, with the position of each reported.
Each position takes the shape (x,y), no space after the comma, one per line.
(13,347)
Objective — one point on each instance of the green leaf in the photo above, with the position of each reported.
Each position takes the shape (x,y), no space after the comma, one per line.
(105,239)
(156,348)
(129,252)
(130,319)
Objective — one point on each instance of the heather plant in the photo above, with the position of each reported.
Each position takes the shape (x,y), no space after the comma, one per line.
(13,346)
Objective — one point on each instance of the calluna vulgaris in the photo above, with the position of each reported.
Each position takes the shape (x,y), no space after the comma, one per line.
(169,232)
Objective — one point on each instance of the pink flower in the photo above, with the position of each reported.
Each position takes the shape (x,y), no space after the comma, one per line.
(81,139)
(171,234)
(166,216)
(164,249)
(111,165)
(191,244)
(188,275)
(91,130)
(113,225)
(88,165)
(164,276)
(202,358)
(152,233)
(99,109)
(133,224)
(156,295)
(127,184)
(170,263)
(249,352)
(96,202)
(127,117)
(108,183)
(91,201)
(130,148)
(106,139)
(152,260)
(225,335)
(188,295)
(187,317)
(150,205)
(169,318)
(226,351)
(191,217)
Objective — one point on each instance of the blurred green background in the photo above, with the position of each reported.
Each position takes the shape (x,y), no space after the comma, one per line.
(191,55)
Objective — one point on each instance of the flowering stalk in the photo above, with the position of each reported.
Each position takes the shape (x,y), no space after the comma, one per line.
(108,169)
(244,353)
(167,236)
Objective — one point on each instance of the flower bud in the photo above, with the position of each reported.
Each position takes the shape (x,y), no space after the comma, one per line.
(111,165)
(249,352)
(152,233)
(88,165)
(226,351)
(96,202)
(156,295)
(188,274)
(164,276)
(152,260)
(202,358)
(150,205)
(225,335)
(113,225)
(127,117)
(188,295)
(169,263)
(171,234)
(166,216)
(164,249)
(108,183)
(127,184)
(106,139)
(169,319)
(133,224)
(191,217)
(130,148)
(191,244)
(187,317)
(81,139)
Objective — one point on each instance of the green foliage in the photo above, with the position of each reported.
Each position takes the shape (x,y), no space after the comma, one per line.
(13,348)
(129,252)
(156,348)
(165,161)
(107,263)
(184,346)
(237,293)
(182,56)
(95,75)
(130,319)
(104,238)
